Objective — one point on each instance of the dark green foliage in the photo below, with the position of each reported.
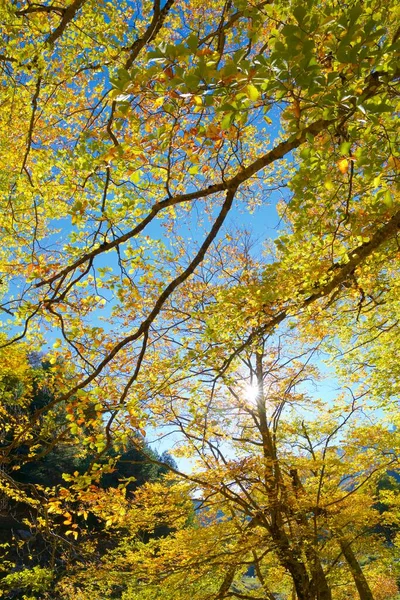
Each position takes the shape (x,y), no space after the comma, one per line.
(140,464)
(27,551)
(389,481)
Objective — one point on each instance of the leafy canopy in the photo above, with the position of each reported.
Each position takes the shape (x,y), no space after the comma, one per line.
(131,133)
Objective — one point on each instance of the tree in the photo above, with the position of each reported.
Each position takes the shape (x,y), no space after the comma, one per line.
(280,485)
(125,128)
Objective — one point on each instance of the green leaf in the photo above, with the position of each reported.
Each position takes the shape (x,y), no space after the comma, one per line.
(227,121)
(387,199)
(355,12)
(380,108)
(193,42)
(345,148)
(299,14)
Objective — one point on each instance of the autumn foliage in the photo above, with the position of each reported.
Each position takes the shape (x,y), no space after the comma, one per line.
(199,222)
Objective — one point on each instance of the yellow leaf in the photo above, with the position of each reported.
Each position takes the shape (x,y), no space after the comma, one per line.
(252,92)
(329,184)
(377,181)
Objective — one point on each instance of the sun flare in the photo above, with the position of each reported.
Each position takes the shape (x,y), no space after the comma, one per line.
(251,392)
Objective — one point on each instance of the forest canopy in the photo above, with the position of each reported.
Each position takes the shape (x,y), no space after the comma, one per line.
(199,222)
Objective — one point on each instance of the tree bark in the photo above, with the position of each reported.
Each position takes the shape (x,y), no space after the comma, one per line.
(363,588)
(293,564)
(319,584)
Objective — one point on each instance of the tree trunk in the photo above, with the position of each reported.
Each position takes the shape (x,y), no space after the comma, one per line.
(295,566)
(289,557)
(319,585)
(300,578)
(359,578)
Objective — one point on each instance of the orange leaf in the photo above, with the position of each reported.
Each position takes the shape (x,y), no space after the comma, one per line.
(343,165)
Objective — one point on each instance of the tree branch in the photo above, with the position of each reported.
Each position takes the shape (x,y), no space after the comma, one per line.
(38,8)
(159,16)
(243,175)
(68,16)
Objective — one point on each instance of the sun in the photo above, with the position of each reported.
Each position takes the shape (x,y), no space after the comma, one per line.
(251,392)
